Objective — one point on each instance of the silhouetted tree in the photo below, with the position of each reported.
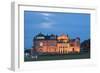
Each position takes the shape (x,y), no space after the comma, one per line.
(85,45)
(27,51)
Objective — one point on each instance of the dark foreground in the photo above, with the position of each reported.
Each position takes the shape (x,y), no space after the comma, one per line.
(57,57)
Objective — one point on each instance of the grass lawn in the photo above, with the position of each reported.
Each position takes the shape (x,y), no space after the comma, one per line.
(59,57)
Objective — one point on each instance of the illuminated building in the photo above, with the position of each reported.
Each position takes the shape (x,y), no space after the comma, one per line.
(53,44)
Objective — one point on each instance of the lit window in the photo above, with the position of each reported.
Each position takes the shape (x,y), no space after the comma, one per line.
(41,43)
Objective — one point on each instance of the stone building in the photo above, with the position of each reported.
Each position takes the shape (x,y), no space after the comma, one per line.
(53,44)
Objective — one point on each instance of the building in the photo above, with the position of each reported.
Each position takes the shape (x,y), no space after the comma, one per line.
(63,44)
(53,44)
(75,45)
(45,43)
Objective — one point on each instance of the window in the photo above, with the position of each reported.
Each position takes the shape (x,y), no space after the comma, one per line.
(41,43)
(52,44)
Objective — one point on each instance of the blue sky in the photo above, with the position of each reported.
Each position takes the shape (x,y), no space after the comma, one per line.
(73,24)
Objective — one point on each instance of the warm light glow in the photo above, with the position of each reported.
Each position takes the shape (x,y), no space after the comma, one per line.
(62,46)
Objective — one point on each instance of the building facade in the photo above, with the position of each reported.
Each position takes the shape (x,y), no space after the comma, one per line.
(53,44)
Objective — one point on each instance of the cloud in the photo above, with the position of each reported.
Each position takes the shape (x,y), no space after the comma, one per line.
(47,18)
(48,22)
(46,25)
(46,14)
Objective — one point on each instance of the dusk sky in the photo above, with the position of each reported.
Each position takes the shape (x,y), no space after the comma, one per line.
(73,24)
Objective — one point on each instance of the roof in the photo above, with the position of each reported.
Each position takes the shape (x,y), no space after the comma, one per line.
(46,37)
(40,34)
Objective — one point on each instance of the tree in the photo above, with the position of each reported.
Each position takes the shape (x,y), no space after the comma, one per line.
(85,45)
